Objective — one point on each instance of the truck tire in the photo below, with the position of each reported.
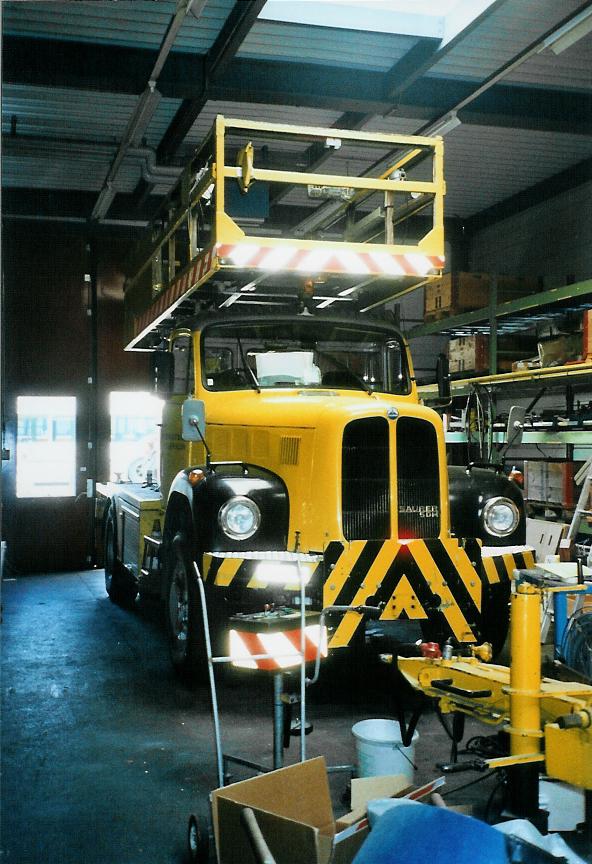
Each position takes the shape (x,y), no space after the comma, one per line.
(183,614)
(118,583)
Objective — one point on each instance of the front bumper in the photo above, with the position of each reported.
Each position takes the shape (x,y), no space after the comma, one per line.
(459,593)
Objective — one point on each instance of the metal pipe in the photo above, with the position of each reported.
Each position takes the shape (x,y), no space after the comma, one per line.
(91,454)
(525,671)
(301,578)
(144,109)
(212,677)
(278,721)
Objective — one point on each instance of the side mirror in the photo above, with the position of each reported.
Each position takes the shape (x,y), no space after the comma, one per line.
(193,420)
(515,429)
(163,369)
(443,377)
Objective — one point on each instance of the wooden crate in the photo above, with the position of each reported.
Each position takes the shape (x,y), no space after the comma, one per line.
(460,292)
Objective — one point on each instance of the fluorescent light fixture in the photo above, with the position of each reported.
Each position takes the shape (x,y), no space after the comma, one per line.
(229,301)
(104,201)
(445,125)
(566,36)
(142,115)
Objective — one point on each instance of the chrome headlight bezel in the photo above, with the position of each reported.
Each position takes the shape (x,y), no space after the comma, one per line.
(225,517)
(488,510)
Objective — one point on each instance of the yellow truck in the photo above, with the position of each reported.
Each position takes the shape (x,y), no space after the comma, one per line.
(294,446)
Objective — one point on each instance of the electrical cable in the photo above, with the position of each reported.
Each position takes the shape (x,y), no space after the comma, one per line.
(500,785)
(440,717)
(467,785)
(576,645)
(487,746)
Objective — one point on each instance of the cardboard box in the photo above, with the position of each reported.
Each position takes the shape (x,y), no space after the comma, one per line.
(551,482)
(587,335)
(471,353)
(461,292)
(557,352)
(545,537)
(294,812)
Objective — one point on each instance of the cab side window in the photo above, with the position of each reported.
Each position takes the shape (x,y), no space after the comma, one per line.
(183,369)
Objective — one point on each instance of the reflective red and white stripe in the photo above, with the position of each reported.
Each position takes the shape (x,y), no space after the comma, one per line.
(328,260)
(279,650)
(173,295)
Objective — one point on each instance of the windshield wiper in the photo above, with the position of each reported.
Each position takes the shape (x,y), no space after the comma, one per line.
(341,365)
(248,371)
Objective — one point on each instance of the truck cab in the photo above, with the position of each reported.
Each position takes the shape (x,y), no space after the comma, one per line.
(298,465)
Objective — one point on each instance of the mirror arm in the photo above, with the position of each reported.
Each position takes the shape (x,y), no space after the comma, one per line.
(193,421)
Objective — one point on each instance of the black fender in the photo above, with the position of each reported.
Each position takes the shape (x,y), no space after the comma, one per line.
(469,491)
(194,507)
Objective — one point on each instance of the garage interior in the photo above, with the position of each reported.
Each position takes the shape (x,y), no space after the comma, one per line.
(106,749)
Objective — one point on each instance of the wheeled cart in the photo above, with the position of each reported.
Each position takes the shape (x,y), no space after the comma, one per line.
(307,644)
(298,650)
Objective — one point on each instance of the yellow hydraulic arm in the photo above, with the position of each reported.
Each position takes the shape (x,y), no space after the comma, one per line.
(547,720)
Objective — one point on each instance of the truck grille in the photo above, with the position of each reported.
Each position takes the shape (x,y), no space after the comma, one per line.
(365,480)
(418,479)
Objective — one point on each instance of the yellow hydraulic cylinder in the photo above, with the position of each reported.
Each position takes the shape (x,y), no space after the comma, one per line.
(525,671)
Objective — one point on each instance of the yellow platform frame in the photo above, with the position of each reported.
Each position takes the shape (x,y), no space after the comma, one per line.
(177,261)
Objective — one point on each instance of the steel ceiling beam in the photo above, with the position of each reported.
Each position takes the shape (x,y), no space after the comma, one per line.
(96,67)
(405,71)
(61,205)
(239,22)
(431,59)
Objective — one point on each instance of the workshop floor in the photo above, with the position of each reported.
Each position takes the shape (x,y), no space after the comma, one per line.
(105,753)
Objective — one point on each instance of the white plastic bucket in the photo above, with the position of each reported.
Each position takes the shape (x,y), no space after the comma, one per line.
(380,750)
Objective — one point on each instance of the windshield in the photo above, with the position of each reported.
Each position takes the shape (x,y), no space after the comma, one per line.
(303,353)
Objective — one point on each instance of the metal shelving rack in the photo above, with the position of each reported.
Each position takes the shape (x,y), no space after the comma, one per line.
(511,317)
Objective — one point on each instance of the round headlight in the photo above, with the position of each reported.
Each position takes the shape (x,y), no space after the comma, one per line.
(500,517)
(239,518)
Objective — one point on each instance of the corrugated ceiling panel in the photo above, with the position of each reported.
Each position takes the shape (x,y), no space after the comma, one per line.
(137,23)
(504,34)
(55,112)
(485,165)
(571,70)
(63,113)
(66,168)
(302,44)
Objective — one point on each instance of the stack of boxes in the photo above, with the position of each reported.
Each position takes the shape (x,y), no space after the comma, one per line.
(457,293)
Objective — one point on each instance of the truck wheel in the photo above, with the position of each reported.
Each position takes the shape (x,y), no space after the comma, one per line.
(118,583)
(183,614)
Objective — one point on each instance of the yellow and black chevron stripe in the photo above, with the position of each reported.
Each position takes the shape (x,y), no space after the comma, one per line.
(499,568)
(241,573)
(459,592)
(435,580)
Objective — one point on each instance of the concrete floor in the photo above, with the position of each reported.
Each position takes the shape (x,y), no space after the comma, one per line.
(105,753)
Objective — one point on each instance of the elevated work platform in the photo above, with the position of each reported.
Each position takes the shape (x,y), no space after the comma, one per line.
(365,230)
